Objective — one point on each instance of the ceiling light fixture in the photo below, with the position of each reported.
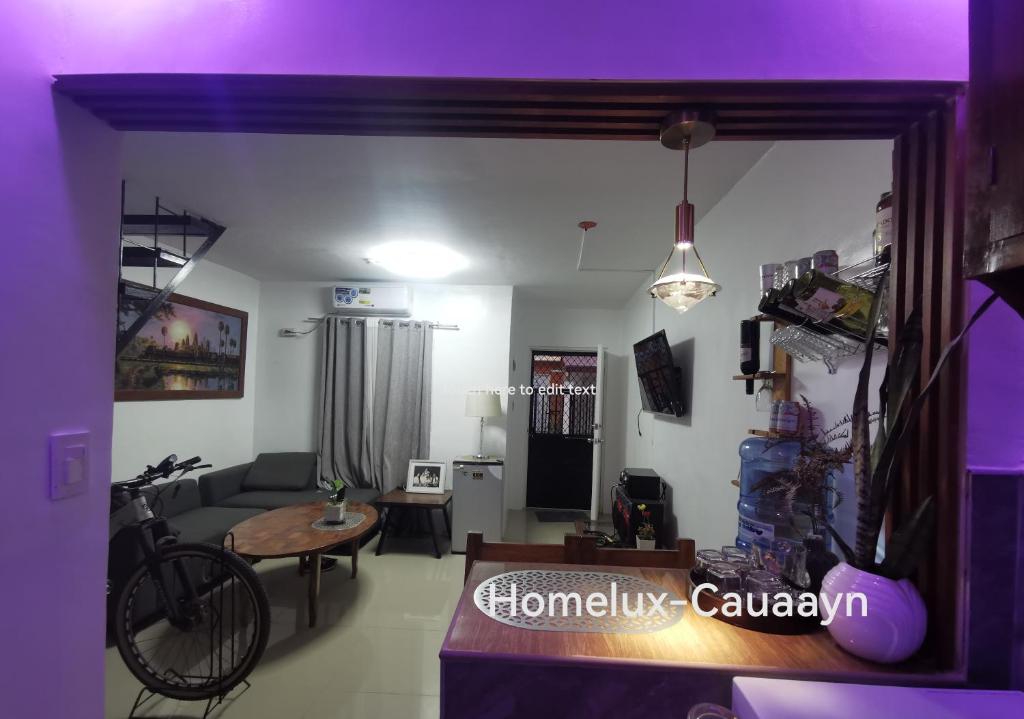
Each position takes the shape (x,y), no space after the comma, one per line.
(417,259)
(681,288)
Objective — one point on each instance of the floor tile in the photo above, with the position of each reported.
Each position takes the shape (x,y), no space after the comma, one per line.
(374,651)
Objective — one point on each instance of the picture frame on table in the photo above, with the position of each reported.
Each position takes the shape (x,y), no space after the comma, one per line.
(426,476)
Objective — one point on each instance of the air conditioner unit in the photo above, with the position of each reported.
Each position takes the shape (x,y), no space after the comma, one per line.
(370,300)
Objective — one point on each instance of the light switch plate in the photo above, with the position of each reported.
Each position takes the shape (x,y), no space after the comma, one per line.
(69,464)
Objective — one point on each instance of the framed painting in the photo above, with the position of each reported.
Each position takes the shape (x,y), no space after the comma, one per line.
(189,349)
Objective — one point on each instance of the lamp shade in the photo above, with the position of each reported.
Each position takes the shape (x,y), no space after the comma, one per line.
(683,290)
(483,404)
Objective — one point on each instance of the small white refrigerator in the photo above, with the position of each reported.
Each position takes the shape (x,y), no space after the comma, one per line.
(478,499)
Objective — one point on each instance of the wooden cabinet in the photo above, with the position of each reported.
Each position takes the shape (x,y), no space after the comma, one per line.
(994,244)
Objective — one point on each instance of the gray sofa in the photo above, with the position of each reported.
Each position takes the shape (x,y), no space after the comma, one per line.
(206,510)
(273,480)
(181,504)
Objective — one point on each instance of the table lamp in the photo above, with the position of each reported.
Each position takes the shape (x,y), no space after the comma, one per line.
(482,404)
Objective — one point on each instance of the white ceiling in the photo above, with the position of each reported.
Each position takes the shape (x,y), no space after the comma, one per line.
(309,207)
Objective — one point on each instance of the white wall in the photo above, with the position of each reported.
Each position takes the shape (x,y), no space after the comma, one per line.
(474,357)
(218,430)
(541,325)
(800,197)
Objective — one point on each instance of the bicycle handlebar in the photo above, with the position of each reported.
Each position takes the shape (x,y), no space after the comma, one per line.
(168,466)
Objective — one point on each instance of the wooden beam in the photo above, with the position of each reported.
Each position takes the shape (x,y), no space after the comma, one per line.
(497,108)
(927,274)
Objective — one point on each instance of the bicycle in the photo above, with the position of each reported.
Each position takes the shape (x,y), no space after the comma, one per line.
(193,619)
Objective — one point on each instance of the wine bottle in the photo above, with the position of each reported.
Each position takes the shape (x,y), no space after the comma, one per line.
(829,300)
(750,350)
(783,305)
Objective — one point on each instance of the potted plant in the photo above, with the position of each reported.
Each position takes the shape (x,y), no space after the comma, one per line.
(893,626)
(645,534)
(334,510)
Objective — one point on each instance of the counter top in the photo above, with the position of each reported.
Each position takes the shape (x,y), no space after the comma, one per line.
(695,642)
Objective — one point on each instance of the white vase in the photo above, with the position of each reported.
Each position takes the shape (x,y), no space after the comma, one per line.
(646,543)
(334,512)
(895,620)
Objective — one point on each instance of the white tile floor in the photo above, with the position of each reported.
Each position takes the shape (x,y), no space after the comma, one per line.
(373,652)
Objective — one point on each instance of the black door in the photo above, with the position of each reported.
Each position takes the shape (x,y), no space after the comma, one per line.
(560,455)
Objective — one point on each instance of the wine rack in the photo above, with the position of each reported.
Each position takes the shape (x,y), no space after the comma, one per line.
(781,374)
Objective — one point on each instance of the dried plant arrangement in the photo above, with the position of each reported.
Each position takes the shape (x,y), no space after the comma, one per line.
(824,451)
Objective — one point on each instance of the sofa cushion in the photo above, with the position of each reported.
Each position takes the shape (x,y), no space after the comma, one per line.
(274,500)
(281,471)
(174,498)
(220,483)
(209,524)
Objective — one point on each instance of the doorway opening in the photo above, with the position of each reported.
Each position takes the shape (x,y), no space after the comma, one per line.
(560,457)
(925,118)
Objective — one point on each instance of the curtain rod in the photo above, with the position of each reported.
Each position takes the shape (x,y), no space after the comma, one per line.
(317,321)
(435,325)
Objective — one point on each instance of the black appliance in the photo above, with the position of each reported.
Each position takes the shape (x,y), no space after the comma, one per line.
(661,382)
(627,516)
(641,483)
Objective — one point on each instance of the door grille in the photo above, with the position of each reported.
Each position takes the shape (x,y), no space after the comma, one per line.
(564,386)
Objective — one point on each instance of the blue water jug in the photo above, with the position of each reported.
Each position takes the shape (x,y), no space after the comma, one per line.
(767,516)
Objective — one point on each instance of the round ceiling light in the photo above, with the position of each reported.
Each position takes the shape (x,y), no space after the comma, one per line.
(417,259)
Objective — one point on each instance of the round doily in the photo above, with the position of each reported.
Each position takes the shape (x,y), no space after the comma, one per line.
(635,610)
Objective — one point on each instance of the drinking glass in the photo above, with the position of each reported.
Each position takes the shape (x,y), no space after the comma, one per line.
(738,558)
(707,557)
(763,586)
(761,581)
(731,552)
(795,565)
(725,578)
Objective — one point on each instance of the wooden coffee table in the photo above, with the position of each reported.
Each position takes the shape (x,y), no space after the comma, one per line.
(400,500)
(289,532)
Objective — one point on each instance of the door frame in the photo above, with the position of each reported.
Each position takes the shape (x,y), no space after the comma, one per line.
(594,491)
(925,118)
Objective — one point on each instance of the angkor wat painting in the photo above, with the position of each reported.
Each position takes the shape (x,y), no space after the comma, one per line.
(189,349)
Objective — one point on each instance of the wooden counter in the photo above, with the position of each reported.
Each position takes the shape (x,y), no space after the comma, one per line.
(489,669)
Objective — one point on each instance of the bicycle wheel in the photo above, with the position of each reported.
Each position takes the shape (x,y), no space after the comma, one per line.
(216,636)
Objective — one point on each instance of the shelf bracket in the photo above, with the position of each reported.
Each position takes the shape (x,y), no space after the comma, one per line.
(213,233)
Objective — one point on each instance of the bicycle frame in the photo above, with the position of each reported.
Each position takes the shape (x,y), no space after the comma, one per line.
(150,533)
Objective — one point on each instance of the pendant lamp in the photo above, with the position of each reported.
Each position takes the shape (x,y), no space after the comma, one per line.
(683,280)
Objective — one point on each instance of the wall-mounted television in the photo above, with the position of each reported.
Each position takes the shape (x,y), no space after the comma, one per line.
(661,382)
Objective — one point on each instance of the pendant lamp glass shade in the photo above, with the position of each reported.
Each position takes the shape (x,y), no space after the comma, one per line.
(683,290)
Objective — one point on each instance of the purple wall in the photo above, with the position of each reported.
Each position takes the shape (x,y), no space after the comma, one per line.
(647,39)
(995,456)
(59,200)
(995,401)
(59,190)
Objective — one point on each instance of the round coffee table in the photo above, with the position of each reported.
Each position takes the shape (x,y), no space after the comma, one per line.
(289,532)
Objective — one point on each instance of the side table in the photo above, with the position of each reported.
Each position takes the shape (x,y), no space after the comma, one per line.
(398,500)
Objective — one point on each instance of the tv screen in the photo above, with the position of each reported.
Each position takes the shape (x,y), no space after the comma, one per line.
(660,380)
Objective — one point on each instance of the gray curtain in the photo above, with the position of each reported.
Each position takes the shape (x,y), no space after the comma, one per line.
(344,426)
(401,400)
